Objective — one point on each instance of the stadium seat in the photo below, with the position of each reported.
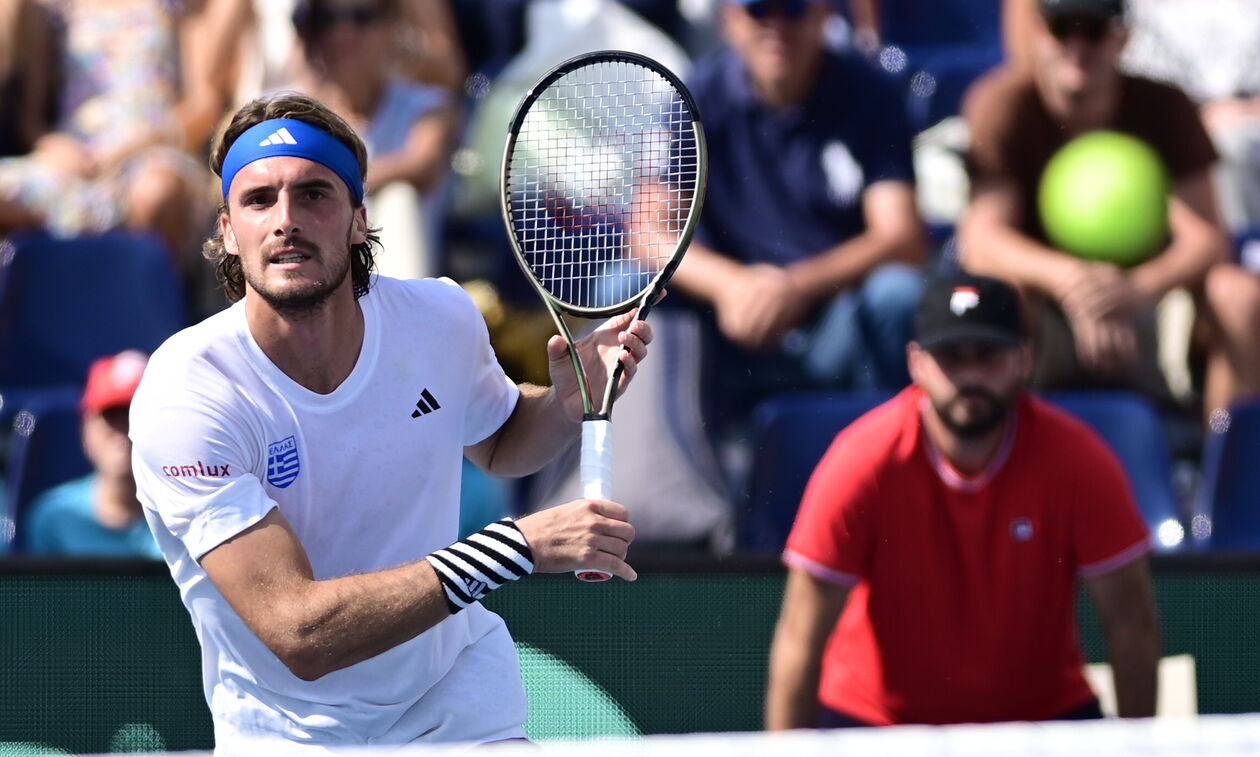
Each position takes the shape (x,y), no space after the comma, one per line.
(1229,490)
(44,450)
(66,302)
(1132,427)
(790,432)
(944,46)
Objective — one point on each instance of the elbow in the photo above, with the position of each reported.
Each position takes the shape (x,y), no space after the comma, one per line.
(296,645)
(303,660)
(913,247)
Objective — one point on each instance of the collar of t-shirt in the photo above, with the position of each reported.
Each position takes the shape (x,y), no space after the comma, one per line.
(951,476)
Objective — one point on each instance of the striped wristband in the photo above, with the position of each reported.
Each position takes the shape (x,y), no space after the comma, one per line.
(477,565)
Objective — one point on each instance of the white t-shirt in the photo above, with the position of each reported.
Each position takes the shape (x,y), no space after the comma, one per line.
(368,476)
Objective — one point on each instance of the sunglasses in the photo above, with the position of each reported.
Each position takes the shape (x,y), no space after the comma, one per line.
(763,9)
(360,16)
(1087,27)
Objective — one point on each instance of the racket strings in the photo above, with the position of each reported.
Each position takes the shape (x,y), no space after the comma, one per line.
(601,180)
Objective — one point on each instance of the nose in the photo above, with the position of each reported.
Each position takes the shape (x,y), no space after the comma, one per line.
(284,218)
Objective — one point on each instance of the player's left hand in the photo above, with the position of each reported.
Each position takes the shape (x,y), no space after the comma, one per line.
(620,338)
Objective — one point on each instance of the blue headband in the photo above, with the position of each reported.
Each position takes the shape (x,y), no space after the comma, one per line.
(288,136)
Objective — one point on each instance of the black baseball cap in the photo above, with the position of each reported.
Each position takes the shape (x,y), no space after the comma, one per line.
(962,307)
(1104,10)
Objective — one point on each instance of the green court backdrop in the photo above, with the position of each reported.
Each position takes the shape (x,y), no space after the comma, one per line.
(100,656)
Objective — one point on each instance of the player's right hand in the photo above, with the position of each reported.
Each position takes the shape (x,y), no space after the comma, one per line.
(584,533)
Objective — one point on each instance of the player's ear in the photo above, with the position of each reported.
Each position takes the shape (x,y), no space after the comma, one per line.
(229,237)
(359,226)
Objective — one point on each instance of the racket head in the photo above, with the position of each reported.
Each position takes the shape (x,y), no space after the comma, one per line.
(603,180)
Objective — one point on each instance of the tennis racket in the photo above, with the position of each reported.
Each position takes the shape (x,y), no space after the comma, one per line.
(603,180)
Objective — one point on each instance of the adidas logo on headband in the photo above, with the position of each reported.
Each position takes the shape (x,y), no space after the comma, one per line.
(280,136)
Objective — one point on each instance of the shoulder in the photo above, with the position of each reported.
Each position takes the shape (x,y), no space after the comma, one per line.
(433,305)
(412,99)
(1001,93)
(64,498)
(708,71)
(717,81)
(199,366)
(1151,93)
(882,436)
(1065,438)
(431,295)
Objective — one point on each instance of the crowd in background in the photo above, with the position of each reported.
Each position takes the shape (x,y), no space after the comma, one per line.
(855,146)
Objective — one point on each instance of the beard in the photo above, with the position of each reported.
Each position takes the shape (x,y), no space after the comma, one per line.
(311,296)
(985,412)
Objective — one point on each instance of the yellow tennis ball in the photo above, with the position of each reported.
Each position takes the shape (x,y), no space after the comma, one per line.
(1104,196)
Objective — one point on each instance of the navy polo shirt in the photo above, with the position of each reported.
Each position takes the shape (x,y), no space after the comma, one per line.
(785,184)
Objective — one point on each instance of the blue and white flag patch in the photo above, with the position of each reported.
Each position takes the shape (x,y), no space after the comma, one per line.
(283,464)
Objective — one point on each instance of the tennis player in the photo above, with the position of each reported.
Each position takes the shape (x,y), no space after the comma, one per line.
(933,564)
(298,457)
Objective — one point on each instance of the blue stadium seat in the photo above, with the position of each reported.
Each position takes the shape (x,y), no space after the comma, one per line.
(1229,490)
(1134,430)
(946,44)
(44,450)
(66,302)
(791,432)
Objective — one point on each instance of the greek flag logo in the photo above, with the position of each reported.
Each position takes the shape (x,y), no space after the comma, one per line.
(283,464)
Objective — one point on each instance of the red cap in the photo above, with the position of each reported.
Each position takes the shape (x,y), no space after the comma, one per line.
(112,381)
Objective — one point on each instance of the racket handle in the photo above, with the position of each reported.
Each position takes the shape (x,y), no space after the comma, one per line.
(596,473)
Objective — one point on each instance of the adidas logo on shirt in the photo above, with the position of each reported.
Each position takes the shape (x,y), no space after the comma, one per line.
(427,404)
(280,136)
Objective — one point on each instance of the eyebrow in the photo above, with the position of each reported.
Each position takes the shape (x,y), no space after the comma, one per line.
(314,183)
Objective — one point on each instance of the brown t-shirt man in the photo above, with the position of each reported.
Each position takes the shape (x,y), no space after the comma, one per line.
(1013,137)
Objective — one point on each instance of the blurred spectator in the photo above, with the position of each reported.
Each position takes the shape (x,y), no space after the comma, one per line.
(1095,323)
(265,55)
(27,69)
(1207,48)
(114,156)
(1210,49)
(807,251)
(98,515)
(350,48)
(932,568)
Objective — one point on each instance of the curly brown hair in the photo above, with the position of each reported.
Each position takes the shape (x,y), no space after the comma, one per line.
(227,267)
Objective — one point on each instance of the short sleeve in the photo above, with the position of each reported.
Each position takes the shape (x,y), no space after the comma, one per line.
(195,471)
(1108,529)
(988,110)
(492,393)
(891,155)
(834,525)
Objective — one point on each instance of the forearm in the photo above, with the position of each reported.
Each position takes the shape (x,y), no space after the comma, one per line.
(422,160)
(704,273)
(317,627)
(421,172)
(1002,252)
(537,431)
(1125,605)
(819,277)
(1197,243)
(792,692)
(1183,264)
(1133,652)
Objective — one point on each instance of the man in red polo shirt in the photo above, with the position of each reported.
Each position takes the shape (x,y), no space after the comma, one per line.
(932,567)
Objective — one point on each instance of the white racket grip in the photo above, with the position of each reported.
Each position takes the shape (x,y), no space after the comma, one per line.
(596,474)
